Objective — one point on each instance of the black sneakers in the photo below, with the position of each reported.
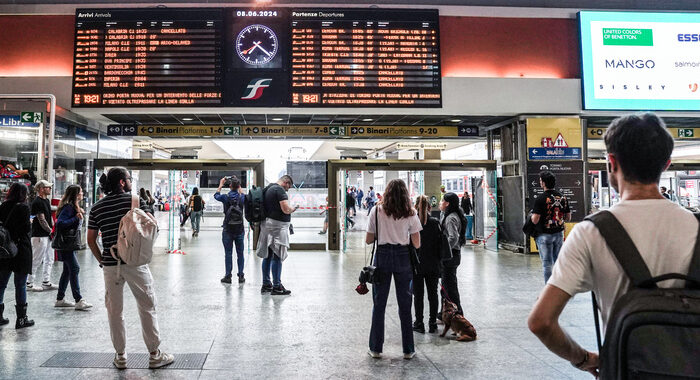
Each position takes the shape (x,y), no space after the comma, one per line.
(419,327)
(266,289)
(280,291)
(241,278)
(226,279)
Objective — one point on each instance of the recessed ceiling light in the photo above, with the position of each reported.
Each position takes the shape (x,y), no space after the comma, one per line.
(277,119)
(187,119)
(456,120)
(367,119)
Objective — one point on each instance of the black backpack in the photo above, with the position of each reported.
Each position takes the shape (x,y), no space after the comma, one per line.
(197,203)
(255,205)
(234,214)
(652,332)
(8,247)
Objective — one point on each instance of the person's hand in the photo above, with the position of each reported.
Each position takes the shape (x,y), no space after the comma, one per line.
(591,365)
(80,215)
(222,182)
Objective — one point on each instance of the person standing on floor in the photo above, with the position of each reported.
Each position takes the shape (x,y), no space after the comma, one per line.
(360,195)
(70,217)
(105,217)
(42,225)
(196,210)
(454,226)
(233,227)
(396,226)
(273,242)
(371,199)
(550,214)
(430,266)
(151,201)
(14,214)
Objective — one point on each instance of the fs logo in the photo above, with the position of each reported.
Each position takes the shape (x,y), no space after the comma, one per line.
(255,88)
(693,87)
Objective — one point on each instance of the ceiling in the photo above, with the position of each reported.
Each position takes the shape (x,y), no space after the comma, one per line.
(301,119)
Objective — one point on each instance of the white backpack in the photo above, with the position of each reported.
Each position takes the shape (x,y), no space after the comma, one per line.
(138,231)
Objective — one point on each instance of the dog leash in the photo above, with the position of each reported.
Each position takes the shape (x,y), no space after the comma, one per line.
(447,296)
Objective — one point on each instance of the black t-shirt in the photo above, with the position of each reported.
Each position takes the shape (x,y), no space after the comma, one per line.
(41,206)
(274,194)
(552,207)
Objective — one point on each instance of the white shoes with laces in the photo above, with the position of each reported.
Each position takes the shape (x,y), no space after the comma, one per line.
(82,305)
(63,303)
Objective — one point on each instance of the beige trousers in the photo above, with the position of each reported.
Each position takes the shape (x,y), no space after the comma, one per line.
(140,282)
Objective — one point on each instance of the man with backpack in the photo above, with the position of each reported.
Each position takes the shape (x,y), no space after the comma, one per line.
(650,333)
(234,230)
(550,213)
(106,217)
(273,241)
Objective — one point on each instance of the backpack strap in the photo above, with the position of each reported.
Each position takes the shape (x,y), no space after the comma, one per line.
(622,247)
(135,201)
(694,270)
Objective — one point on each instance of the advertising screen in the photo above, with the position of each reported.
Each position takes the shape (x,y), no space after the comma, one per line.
(244,57)
(640,61)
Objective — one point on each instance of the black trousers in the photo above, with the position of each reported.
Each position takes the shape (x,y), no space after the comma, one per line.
(449,281)
(420,283)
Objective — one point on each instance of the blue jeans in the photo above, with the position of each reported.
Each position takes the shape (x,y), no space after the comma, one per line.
(195,217)
(70,274)
(228,238)
(549,246)
(272,263)
(369,207)
(20,286)
(392,260)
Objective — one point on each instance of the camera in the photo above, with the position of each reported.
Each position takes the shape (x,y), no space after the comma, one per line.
(368,275)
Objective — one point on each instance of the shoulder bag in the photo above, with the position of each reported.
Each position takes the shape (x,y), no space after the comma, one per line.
(368,274)
(8,246)
(66,239)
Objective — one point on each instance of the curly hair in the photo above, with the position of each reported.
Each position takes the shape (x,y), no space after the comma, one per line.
(396,202)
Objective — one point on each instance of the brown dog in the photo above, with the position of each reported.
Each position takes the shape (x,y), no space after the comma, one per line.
(460,325)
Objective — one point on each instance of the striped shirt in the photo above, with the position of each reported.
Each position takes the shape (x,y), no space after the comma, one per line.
(105,216)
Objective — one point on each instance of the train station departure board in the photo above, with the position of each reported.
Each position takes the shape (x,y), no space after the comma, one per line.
(243,57)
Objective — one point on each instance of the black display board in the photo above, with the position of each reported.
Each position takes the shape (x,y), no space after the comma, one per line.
(243,57)
(209,179)
(570,182)
(308,174)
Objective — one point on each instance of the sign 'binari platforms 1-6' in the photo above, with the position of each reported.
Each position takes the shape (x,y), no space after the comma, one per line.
(244,57)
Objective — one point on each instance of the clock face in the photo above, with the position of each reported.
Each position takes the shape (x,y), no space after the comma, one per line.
(256,44)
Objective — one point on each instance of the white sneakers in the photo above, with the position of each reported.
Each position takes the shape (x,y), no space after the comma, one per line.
(374,354)
(63,303)
(42,287)
(409,355)
(160,359)
(48,286)
(120,361)
(82,305)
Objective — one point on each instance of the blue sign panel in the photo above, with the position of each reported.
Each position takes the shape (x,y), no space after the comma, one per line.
(14,121)
(554,153)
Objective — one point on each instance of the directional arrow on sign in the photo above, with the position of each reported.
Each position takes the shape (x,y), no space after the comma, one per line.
(228,131)
(27,117)
(334,131)
(353,130)
(247,130)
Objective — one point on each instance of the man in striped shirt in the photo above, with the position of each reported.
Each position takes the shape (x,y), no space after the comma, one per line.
(105,217)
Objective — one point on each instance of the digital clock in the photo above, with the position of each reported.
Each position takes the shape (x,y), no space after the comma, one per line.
(256,44)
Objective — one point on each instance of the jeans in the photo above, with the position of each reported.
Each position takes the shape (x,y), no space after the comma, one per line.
(70,274)
(392,260)
(421,282)
(195,218)
(140,282)
(42,260)
(549,246)
(20,286)
(228,238)
(272,263)
(369,207)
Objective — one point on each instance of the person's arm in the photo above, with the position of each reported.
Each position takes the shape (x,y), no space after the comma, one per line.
(415,239)
(217,195)
(452,228)
(67,219)
(544,323)
(371,227)
(92,243)
(287,208)
(42,222)
(535,218)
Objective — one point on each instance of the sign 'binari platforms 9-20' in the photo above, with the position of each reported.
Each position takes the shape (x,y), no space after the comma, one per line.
(242,57)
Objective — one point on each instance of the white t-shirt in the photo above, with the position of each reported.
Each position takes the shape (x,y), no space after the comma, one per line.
(663,232)
(394,231)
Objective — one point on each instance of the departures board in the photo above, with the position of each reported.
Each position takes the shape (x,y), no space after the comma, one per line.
(242,57)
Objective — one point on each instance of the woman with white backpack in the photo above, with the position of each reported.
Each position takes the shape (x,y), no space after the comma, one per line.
(106,217)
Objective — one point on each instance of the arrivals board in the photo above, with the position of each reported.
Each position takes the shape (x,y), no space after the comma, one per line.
(640,61)
(243,57)
(149,57)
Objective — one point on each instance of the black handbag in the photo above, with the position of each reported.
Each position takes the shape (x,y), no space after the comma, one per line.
(368,274)
(8,247)
(67,240)
(530,228)
(415,260)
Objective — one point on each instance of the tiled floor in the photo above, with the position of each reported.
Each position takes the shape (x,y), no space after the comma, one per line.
(320,331)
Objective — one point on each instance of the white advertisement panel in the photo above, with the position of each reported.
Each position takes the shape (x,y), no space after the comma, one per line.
(640,61)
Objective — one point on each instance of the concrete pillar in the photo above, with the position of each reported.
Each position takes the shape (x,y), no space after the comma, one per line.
(432,179)
(390,175)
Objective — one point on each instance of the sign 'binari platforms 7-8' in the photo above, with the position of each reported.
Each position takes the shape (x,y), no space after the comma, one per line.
(242,57)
